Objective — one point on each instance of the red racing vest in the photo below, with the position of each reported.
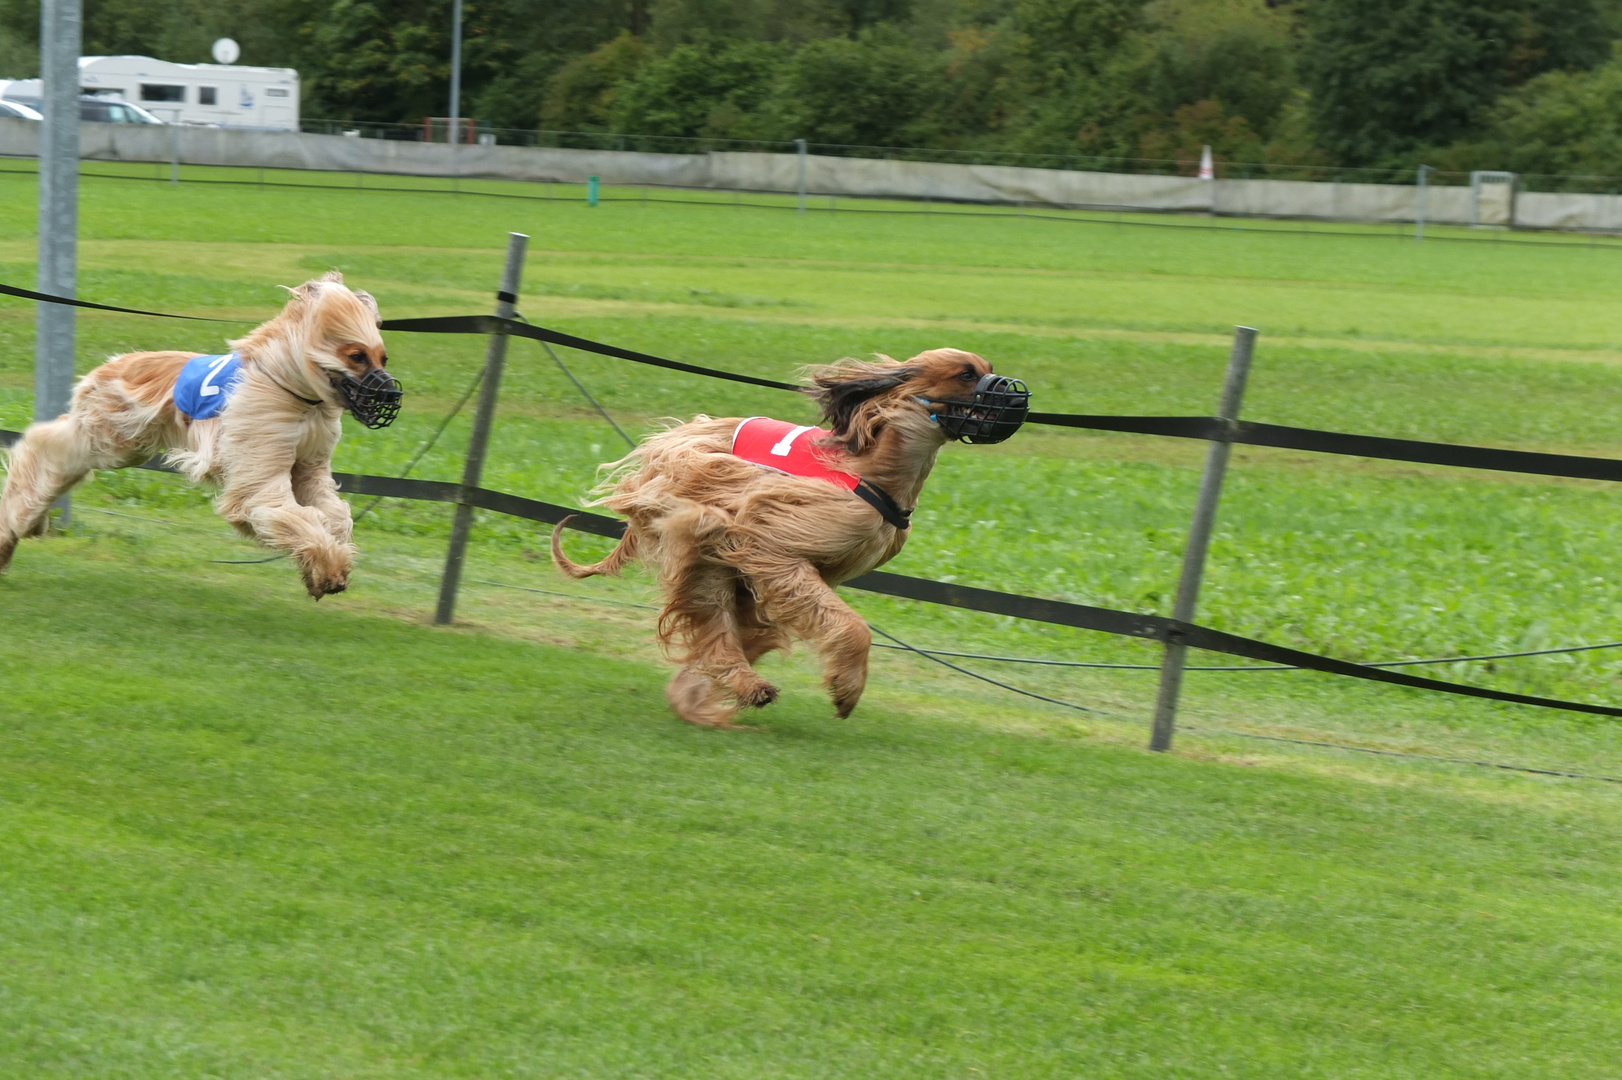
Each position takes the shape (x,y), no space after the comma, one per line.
(788,448)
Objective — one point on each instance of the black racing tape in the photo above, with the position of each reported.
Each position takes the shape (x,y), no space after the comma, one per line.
(68,301)
(1572,466)
(946,594)
(506,297)
(1180,427)
(494,324)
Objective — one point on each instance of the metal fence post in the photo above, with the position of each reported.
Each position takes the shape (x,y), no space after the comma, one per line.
(61,31)
(1423,188)
(1199,538)
(495,358)
(799,151)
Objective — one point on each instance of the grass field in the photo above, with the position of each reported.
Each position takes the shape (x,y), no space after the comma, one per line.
(246,835)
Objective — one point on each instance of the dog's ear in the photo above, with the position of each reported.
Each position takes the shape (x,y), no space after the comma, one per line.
(844,389)
(311,289)
(369,302)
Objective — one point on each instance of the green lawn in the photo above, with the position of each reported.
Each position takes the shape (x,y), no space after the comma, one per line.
(245,835)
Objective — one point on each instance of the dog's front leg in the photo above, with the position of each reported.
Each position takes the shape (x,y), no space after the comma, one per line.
(797,598)
(313,486)
(258,496)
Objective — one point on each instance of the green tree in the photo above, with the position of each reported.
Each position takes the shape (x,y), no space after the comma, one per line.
(1562,122)
(1390,76)
(876,89)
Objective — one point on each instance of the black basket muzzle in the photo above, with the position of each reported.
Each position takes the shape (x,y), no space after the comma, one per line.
(998,408)
(373,399)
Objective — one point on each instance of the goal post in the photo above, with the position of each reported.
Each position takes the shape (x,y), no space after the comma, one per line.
(443,129)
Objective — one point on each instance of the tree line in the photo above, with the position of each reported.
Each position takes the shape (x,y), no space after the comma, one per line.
(1529,85)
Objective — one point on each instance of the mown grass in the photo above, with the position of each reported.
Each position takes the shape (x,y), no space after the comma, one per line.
(250,835)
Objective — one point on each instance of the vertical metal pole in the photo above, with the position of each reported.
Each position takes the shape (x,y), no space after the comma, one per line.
(174,150)
(799,150)
(495,358)
(61,30)
(1199,538)
(1422,189)
(456,71)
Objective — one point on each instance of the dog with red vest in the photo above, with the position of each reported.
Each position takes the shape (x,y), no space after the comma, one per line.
(749,524)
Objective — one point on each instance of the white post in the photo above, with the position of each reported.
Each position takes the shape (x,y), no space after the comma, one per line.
(456,72)
(61,27)
(1199,538)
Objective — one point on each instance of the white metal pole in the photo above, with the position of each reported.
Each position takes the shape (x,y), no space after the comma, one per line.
(1199,538)
(60,33)
(456,72)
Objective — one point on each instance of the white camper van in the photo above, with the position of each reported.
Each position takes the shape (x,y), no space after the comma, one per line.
(224,95)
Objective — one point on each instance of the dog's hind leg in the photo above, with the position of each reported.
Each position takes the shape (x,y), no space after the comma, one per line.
(50,458)
(699,699)
(700,626)
(798,599)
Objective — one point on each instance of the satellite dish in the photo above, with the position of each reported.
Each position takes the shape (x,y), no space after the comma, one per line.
(226,51)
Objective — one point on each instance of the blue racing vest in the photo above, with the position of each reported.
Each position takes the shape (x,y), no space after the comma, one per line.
(205,383)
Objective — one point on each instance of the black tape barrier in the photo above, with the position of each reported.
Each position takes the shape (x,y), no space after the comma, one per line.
(68,301)
(1209,428)
(1205,428)
(1035,609)
(495,324)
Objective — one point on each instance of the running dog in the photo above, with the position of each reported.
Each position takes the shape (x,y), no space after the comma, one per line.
(749,524)
(260,421)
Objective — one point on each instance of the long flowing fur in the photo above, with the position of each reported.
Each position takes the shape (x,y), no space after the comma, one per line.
(269,449)
(748,557)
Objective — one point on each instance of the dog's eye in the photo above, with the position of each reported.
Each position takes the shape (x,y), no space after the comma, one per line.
(968,376)
(357,357)
(384,362)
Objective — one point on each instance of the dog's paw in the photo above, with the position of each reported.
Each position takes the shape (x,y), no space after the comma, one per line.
(7,546)
(319,585)
(759,696)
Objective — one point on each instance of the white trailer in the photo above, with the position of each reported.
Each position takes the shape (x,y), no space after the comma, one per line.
(221,95)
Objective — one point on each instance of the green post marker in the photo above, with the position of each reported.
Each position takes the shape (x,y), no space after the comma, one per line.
(591,191)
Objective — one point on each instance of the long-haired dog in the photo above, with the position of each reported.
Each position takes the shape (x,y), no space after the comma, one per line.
(748,556)
(269,448)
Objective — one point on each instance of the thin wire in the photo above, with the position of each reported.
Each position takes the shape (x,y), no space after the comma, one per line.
(903,646)
(1405,754)
(580,386)
(982,678)
(571,596)
(133,517)
(1252,667)
(412,464)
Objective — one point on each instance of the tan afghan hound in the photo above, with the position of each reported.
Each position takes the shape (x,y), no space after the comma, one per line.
(748,541)
(269,447)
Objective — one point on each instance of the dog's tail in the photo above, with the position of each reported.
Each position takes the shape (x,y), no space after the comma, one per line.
(623,553)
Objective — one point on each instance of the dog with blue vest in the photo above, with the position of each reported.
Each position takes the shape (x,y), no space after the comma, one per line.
(260,422)
(749,523)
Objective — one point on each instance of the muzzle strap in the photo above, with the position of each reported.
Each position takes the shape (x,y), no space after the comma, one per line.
(880,500)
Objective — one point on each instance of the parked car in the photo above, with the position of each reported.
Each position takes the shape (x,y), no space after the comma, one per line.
(16,110)
(99,109)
